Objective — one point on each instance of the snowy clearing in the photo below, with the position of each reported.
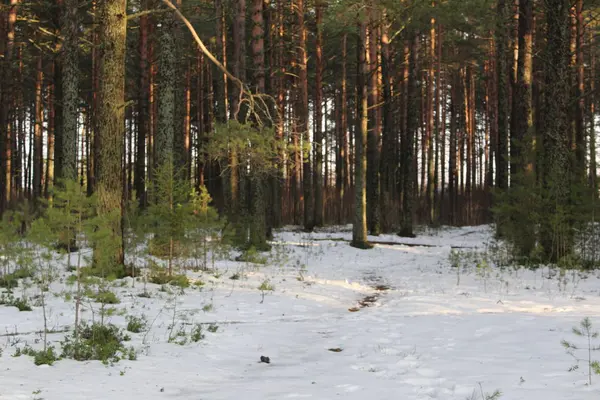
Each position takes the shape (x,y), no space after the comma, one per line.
(386,323)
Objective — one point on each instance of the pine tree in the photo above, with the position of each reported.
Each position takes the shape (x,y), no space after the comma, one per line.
(111,122)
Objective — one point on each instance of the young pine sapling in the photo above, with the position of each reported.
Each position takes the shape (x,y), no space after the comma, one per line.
(585,331)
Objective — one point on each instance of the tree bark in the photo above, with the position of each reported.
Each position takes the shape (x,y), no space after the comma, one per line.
(258,194)
(6,107)
(556,236)
(408,148)
(374,131)
(111,129)
(167,70)
(143,112)
(70,91)
(302,117)
(579,100)
(359,229)
(502,78)
(38,162)
(318,181)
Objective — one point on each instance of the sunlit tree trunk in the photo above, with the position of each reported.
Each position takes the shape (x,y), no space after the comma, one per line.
(111,117)
(318,115)
(70,91)
(38,162)
(302,116)
(6,107)
(502,76)
(359,229)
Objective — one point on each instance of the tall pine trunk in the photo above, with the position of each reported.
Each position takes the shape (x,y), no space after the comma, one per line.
(359,229)
(167,70)
(143,112)
(6,107)
(374,130)
(38,162)
(302,116)
(502,77)
(258,195)
(111,119)
(408,147)
(556,236)
(70,90)
(318,181)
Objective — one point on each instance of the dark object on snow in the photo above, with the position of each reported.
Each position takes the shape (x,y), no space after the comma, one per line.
(264,359)
(336,350)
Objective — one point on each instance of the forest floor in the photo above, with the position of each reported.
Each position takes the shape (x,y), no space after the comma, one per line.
(394,322)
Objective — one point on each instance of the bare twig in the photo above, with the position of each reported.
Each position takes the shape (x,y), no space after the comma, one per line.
(257,103)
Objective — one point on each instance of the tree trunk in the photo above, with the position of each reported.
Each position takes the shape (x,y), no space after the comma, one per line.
(258,194)
(389,161)
(111,102)
(579,100)
(181,158)
(143,112)
(239,57)
(200,121)
(412,125)
(93,149)
(70,91)
(522,137)
(345,138)
(221,91)
(59,96)
(452,166)
(556,236)
(38,162)
(374,130)
(49,178)
(6,107)
(278,184)
(502,77)
(302,117)
(166,96)
(592,116)
(359,229)
(318,182)
(431,126)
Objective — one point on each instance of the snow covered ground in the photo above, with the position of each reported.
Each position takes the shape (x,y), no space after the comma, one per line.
(406,327)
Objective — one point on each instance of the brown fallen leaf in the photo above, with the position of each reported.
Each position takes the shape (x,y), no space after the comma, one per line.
(354,309)
(335,349)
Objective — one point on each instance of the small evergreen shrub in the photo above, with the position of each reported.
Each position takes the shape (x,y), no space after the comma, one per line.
(199,283)
(266,286)
(11,280)
(114,273)
(136,324)
(97,342)
(40,357)
(106,297)
(10,301)
(212,328)
(197,335)
(252,255)
(162,278)
(587,332)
